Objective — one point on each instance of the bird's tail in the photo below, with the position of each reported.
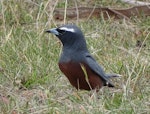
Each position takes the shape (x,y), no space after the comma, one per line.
(109,84)
(108,75)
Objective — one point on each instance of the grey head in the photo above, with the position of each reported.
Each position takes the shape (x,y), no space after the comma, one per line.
(70,36)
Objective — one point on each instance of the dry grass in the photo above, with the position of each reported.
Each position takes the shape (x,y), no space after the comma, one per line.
(30,81)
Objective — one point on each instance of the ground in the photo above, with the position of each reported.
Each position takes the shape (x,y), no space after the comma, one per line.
(31,82)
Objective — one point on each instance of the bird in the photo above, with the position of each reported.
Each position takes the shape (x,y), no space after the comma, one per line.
(76,62)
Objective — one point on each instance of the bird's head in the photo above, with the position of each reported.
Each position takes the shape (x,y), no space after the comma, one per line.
(69,35)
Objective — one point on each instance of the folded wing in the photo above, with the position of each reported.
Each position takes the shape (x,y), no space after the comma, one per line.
(90,61)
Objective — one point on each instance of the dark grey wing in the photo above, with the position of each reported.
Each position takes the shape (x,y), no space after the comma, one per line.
(90,61)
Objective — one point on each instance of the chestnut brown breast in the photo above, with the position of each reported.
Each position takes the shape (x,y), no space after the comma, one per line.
(76,75)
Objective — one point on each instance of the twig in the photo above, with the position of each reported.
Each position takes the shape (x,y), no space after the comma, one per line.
(135,2)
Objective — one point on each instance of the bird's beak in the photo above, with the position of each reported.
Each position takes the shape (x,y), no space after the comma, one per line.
(53,31)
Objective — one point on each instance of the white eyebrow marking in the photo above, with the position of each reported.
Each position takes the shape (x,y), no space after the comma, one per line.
(67,29)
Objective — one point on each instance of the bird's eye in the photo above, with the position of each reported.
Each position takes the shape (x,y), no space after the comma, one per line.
(61,32)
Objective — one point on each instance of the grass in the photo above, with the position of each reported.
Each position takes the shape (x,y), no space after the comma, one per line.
(31,82)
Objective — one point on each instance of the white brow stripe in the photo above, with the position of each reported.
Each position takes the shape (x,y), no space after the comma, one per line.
(67,29)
